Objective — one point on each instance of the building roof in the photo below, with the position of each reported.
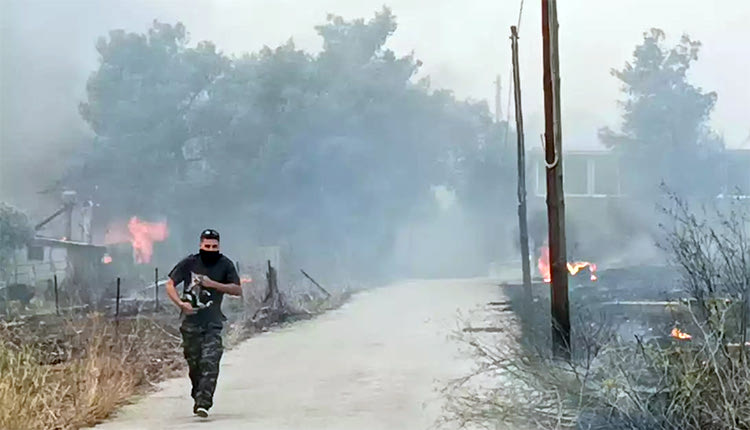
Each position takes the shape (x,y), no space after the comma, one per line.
(61,243)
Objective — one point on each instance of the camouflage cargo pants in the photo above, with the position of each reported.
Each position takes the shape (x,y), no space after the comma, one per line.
(203,349)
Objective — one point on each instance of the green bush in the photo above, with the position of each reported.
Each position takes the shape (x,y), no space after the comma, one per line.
(15,232)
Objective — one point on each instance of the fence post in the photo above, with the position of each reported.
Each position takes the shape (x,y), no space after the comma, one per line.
(156,288)
(117,301)
(57,299)
(269,277)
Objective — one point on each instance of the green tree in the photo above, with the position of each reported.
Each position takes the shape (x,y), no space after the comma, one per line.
(330,153)
(137,104)
(15,233)
(665,134)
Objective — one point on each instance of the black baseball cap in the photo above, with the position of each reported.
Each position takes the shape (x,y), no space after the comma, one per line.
(210,233)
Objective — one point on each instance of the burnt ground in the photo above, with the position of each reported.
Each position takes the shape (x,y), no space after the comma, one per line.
(629,300)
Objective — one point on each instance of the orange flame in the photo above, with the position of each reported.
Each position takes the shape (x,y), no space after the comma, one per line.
(543,265)
(246,280)
(106,259)
(678,334)
(141,235)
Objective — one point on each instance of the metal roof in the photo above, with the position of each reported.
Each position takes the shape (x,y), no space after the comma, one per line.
(49,241)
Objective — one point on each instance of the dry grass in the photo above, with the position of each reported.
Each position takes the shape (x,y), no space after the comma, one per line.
(616,384)
(69,374)
(101,366)
(609,384)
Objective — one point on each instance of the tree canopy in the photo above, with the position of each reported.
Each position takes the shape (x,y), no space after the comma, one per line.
(15,233)
(664,132)
(329,153)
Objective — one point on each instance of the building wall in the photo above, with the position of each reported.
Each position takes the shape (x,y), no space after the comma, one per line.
(597,174)
(604,224)
(34,271)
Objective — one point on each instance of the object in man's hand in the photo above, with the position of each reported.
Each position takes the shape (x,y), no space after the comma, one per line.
(195,294)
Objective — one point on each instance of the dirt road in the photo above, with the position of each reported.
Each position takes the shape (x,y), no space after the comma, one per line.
(373,364)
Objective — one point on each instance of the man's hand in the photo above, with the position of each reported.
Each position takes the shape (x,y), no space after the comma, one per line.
(231,289)
(187,308)
(208,282)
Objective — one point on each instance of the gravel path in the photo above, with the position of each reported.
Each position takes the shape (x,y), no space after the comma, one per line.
(373,364)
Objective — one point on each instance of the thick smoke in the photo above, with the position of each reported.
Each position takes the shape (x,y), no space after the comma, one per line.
(48,53)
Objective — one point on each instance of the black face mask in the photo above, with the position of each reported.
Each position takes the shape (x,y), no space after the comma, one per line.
(209,257)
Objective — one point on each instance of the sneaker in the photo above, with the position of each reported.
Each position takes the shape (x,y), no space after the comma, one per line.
(201,412)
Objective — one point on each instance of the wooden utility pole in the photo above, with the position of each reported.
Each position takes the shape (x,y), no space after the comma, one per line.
(555,196)
(521,149)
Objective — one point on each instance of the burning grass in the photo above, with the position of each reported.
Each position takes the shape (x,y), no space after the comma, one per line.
(696,383)
(544,267)
(71,374)
(696,378)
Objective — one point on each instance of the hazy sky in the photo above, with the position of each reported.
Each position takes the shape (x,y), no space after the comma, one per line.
(48,52)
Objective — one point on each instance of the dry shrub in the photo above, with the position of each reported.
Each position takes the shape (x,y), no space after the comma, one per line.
(67,374)
(296,299)
(615,384)
(516,384)
(107,365)
(310,304)
(701,384)
(609,384)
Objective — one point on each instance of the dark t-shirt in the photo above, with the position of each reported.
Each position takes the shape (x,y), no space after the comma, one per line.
(223,271)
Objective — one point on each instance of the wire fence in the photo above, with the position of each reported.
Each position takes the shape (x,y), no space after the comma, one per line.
(26,293)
